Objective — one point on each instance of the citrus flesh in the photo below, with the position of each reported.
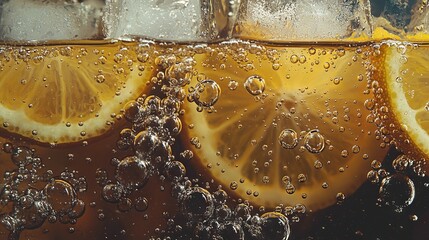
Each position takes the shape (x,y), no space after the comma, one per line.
(289,125)
(405,72)
(61,94)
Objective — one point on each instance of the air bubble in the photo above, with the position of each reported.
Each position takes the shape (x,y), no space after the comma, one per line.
(288,139)
(125,204)
(21,156)
(314,141)
(100,78)
(206,93)
(397,191)
(198,203)
(318,164)
(141,204)
(173,124)
(149,147)
(402,162)
(275,226)
(60,195)
(233,185)
(242,212)
(355,149)
(231,230)
(340,197)
(290,188)
(369,104)
(132,111)
(175,170)
(255,85)
(232,85)
(132,172)
(112,192)
(78,209)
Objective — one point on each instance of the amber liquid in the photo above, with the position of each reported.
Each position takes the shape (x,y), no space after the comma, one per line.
(315,90)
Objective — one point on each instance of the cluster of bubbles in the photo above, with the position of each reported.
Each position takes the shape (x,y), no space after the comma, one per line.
(210,217)
(396,188)
(155,124)
(25,205)
(313,140)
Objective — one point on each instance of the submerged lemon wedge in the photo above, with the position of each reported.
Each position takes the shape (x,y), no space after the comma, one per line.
(406,79)
(282,126)
(60,94)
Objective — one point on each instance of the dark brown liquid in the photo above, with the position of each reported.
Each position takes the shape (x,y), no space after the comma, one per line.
(358,216)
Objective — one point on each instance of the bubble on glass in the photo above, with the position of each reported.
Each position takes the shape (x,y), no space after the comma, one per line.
(255,85)
(397,191)
(314,141)
(288,139)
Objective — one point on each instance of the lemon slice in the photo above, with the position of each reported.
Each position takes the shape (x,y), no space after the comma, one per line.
(60,94)
(407,83)
(287,126)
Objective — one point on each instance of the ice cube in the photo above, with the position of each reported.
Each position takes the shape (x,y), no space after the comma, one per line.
(392,15)
(50,19)
(158,19)
(293,20)
(172,20)
(419,22)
